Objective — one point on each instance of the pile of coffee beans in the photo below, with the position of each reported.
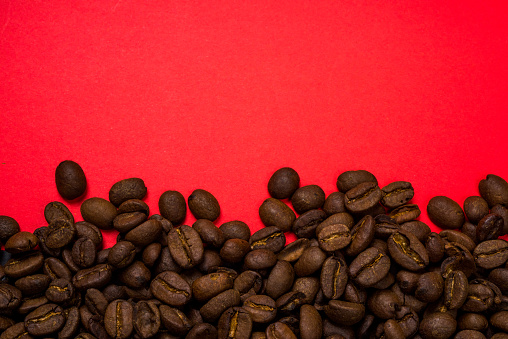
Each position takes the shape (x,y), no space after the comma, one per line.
(362,265)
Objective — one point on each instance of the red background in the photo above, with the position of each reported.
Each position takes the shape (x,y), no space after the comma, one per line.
(219,94)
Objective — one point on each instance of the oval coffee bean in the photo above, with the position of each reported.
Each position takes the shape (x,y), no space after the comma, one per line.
(490,227)
(344,313)
(212,310)
(420,229)
(56,210)
(494,190)
(86,230)
(174,320)
(209,233)
(60,233)
(203,205)
(60,291)
(29,263)
(185,246)
(283,183)
(335,203)
(407,251)
(121,254)
(235,229)
(445,213)
(334,237)
(234,250)
(500,320)
(21,242)
(334,276)
(293,251)
(172,206)
(55,269)
(202,331)
(363,197)
(210,285)
(123,190)
(146,319)
(438,325)
(99,212)
(118,319)
(429,287)
(145,234)
(70,180)
(96,301)
(307,198)
(262,308)
(369,267)
(469,334)
(97,276)
(384,304)
(280,280)
(8,227)
(45,320)
(170,288)
(71,325)
(271,238)
(397,194)
(362,235)
(235,323)
(279,330)
(305,225)
(351,179)
(125,222)
(133,205)
(405,213)
(274,212)
(311,261)
(475,208)
(10,297)
(83,252)
(259,259)
(311,323)
(135,275)
(33,284)
(491,253)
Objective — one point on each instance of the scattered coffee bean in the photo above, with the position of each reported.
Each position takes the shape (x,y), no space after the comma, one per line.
(70,180)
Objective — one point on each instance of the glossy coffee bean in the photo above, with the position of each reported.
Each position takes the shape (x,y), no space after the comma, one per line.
(45,320)
(56,210)
(203,205)
(70,180)
(26,264)
(125,222)
(97,276)
(99,212)
(274,212)
(344,313)
(33,284)
(172,206)
(283,183)
(407,251)
(445,213)
(307,198)
(438,326)
(362,235)
(118,319)
(494,190)
(491,253)
(146,319)
(185,246)
(8,227)
(334,237)
(270,238)
(212,310)
(351,179)
(21,242)
(83,252)
(405,213)
(490,227)
(363,197)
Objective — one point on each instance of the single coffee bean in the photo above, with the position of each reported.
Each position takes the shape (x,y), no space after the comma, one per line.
(494,190)
(472,321)
(146,319)
(429,287)
(60,233)
(97,276)
(30,304)
(33,284)
(498,276)
(469,229)
(235,323)
(435,247)
(60,291)
(96,301)
(363,197)
(459,258)
(311,261)
(99,212)
(405,213)
(305,225)
(280,280)
(71,325)
(338,218)
(335,203)
(334,277)
(55,269)
(407,281)
(309,286)
(171,288)
(408,321)
(135,275)
(10,297)
(397,194)
(174,320)
(118,319)
(351,179)
(123,190)
(362,235)
(344,313)
(234,250)
(369,267)
(145,234)
(235,229)
(212,310)
(283,183)
(459,237)
(384,304)
(438,325)
(211,260)
(21,242)
(334,237)
(503,212)
(121,254)
(445,213)
(113,292)
(475,208)
(172,206)
(45,320)
(202,331)
(480,297)
(279,330)
(469,334)
(491,253)
(293,251)
(385,226)
(490,227)
(270,238)
(133,205)
(70,180)
(307,198)
(408,251)
(209,233)
(151,254)
(125,222)
(274,212)
(27,264)
(262,308)
(420,229)
(248,283)
(8,227)
(203,205)
(500,320)
(310,323)
(260,259)
(56,210)
(83,252)
(87,230)
(185,246)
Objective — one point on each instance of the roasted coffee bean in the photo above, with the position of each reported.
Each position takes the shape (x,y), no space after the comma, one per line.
(279,330)
(472,321)
(435,247)
(16,331)
(125,222)
(21,242)
(133,205)
(384,304)
(185,246)
(385,226)
(334,237)
(30,304)
(307,198)
(258,335)
(235,229)
(55,269)
(172,206)
(351,179)
(60,233)
(469,334)
(45,320)
(369,267)
(87,230)
(209,233)
(234,250)
(445,213)
(338,218)
(259,259)
(99,212)
(118,319)
(210,285)
(407,251)
(123,190)
(311,261)
(203,205)
(70,180)
(211,259)
(135,275)
(60,291)
(271,238)
(113,292)
(27,264)
(146,319)
(405,213)
(438,325)
(56,210)
(96,301)
(491,253)
(274,212)
(97,276)
(335,203)
(334,277)
(429,287)
(71,325)
(458,237)
(344,313)
(420,229)
(83,252)
(121,254)
(500,320)
(305,225)
(503,212)
(280,280)
(362,235)
(212,310)
(479,298)
(363,197)
(408,321)
(8,227)
(475,208)
(235,322)
(174,320)
(10,297)
(310,323)
(489,228)
(397,194)
(407,281)
(262,308)
(499,277)
(459,258)
(171,288)
(33,284)
(309,286)
(145,234)
(41,233)
(151,253)
(283,183)
(494,190)
(202,331)
(293,251)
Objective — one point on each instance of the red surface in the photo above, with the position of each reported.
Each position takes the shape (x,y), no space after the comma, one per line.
(218,95)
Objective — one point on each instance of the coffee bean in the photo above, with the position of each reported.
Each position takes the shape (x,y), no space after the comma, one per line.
(435,247)
(309,286)
(45,320)
(469,334)
(10,297)
(94,277)
(234,250)
(121,254)
(385,226)
(118,319)
(21,242)
(498,276)
(494,190)
(305,225)
(397,194)
(503,212)
(86,230)
(123,190)
(71,325)
(351,179)
(293,251)
(445,213)
(472,321)
(362,235)
(384,304)
(283,183)
(408,251)
(202,331)
(490,227)
(458,237)
(500,320)
(274,212)
(310,323)
(307,198)
(172,206)
(429,287)
(270,238)
(438,325)
(334,237)
(235,323)
(27,264)
(146,319)
(70,180)
(203,205)
(363,197)
(405,213)
(134,205)
(260,259)
(185,246)
(335,203)
(334,276)
(235,229)
(311,261)
(144,234)
(209,233)
(135,275)
(125,222)
(96,301)
(99,212)
(491,253)
(280,280)
(174,320)
(151,254)
(480,297)
(344,313)
(83,252)
(33,284)
(213,309)
(55,269)
(469,229)
(56,210)
(262,308)
(60,291)
(475,208)
(369,267)
(210,285)
(170,288)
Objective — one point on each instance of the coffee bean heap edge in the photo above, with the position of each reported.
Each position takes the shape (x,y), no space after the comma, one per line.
(363,266)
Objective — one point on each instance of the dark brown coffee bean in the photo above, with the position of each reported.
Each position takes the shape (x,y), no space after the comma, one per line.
(135,275)
(45,320)
(56,210)
(70,180)
(16,331)
(459,237)
(385,226)
(209,233)
(259,259)
(309,286)
(234,250)
(113,292)
(420,229)
(490,227)
(99,212)
(172,206)
(97,276)
(363,197)
(351,179)
(118,319)
(96,301)
(151,253)
(369,267)
(307,198)
(274,212)
(344,313)
(211,260)
(408,321)
(21,242)
(210,285)
(334,276)
(185,246)
(235,229)
(362,235)
(171,288)
(494,190)
(384,304)
(335,331)
(305,225)
(212,310)
(283,183)
(123,190)
(294,250)
(279,330)
(203,205)
(271,238)
(60,233)
(202,331)
(33,284)
(435,247)
(125,222)
(500,320)
(429,287)
(280,280)
(60,291)
(459,258)
(334,237)
(407,251)
(475,208)
(491,253)
(10,297)
(133,205)
(261,308)
(30,304)
(438,326)
(338,218)
(472,321)
(405,213)
(87,230)
(407,281)
(445,213)
(71,325)
(469,334)
(8,227)
(145,234)
(499,277)
(146,319)
(27,264)
(258,335)
(335,203)
(121,254)
(174,320)
(55,269)
(311,261)
(310,323)
(480,297)
(83,252)
(503,212)
(235,323)
(397,194)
